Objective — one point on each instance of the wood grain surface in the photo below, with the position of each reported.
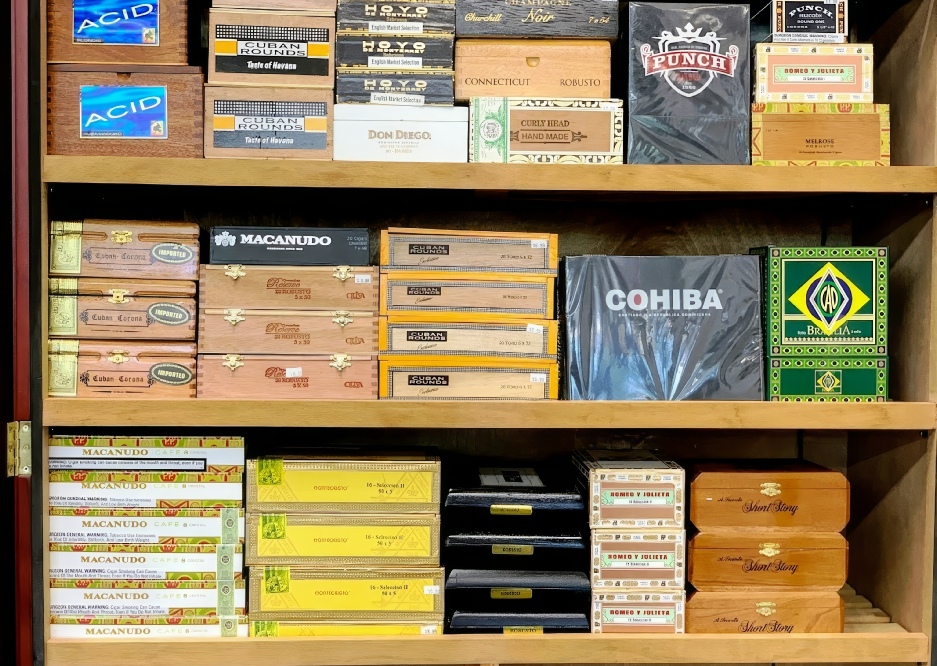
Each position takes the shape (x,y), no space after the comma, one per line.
(132,318)
(764,612)
(818,136)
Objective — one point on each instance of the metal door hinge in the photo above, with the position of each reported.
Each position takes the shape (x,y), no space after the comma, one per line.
(19,448)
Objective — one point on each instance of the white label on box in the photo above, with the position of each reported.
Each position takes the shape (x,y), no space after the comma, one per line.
(221,456)
(538,378)
(142,566)
(397,98)
(395,28)
(538,244)
(392,62)
(294,372)
(129,464)
(431,589)
(410,140)
(134,529)
(133,601)
(428,630)
(535,328)
(132,495)
(362,279)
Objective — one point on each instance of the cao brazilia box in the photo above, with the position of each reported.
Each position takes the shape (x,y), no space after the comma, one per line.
(825,379)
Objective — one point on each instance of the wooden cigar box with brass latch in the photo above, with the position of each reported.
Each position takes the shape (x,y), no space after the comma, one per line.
(233,330)
(765,612)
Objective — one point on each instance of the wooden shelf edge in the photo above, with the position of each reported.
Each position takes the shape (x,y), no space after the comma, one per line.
(531,177)
(490,414)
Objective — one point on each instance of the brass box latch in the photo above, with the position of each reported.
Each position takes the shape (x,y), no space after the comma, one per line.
(118,356)
(19,449)
(233,316)
(117,296)
(234,271)
(340,361)
(342,273)
(232,361)
(342,318)
(771,489)
(770,549)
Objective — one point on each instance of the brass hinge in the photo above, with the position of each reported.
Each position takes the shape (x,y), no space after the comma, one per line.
(19,449)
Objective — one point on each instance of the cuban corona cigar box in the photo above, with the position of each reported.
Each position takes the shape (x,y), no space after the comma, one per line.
(411,336)
(220,455)
(105,308)
(274,628)
(296,593)
(121,369)
(638,558)
(468,378)
(125,110)
(843,134)
(814,73)
(388,133)
(764,612)
(146,597)
(401,53)
(147,32)
(804,21)
(793,496)
(425,88)
(289,246)
(473,296)
(135,526)
(172,561)
(517,623)
(342,541)
(533,68)
(469,251)
(270,48)
(632,489)
(494,590)
(638,612)
(555,131)
(516,551)
(242,121)
(333,288)
(584,19)
(766,559)
(378,483)
(155,626)
(144,490)
(124,249)
(402,18)
(812,379)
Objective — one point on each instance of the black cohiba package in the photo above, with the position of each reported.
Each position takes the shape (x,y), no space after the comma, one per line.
(689,88)
(664,328)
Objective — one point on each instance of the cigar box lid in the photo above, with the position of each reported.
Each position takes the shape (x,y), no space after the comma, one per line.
(379,112)
(469,362)
(366,456)
(144,513)
(98,441)
(144,584)
(819,108)
(146,619)
(553,542)
(621,460)
(748,539)
(123,231)
(751,598)
(482,278)
(751,474)
(164,548)
(464,579)
(119,287)
(493,621)
(498,483)
(269,628)
(493,47)
(286,313)
(292,358)
(66,476)
(764,49)
(275,270)
(128,349)
(119,68)
(407,231)
(639,596)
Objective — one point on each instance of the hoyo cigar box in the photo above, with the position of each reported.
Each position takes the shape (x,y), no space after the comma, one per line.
(144,490)
(764,612)
(272,629)
(143,526)
(638,558)
(814,73)
(583,19)
(124,249)
(221,455)
(125,110)
(403,18)
(468,378)
(800,21)
(401,53)
(373,87)
(155,562)
(148,597)
(521,339)
(123,309)
(638,612)
(828,379)
(133,627)
(289,246)
(386,133)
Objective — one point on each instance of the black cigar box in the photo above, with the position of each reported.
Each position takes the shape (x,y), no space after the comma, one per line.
(517,623)
(516,551)
(501,591)
(292,246)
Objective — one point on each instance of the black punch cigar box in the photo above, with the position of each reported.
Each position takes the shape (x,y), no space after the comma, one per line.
(516,551)
(500,591)
(289,246)
(517,623)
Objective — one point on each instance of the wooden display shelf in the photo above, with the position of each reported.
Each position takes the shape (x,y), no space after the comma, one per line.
(531,177)
(486,414)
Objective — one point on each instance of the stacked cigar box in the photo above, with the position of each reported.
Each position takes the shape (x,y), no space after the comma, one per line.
(468,315)
(636,512)
(515,554)
(769,557)
(146,537)
(270,79)
(122,309)
(344,543)
(288,313)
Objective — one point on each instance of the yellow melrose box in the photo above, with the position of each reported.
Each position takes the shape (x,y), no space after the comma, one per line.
(273,628)
(295,593)
(343,540)
(402,484)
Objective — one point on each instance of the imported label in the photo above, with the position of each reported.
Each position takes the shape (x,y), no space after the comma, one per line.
(123,112)
(256,49)
(511,549)
(169,314)
(657,616)
(394,28)
(813,74)
(385,62)
(115,22)
(638,560)
(638,497)
(270,125)
(511,593)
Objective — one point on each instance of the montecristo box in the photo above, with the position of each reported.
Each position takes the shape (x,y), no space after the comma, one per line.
(273,628)
(814,73)
(584,19)
(468,378)
(812,379)
(220,455)
(160,490)
(409,336)
(102,626)
(638,559)
(164,561)
(140,526)
(638,612)
(295,593)
(146,597)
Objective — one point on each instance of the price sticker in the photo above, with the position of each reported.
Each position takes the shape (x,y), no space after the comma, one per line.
(538,244)
(431,589)
(535,328)
(538,377)
(294,372)
(428,630)
(362,279)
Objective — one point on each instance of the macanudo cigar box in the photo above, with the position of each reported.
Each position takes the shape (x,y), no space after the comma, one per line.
(332,288)
(273,629)
(638,559)
(401,53)
(159,490)
(385,133)
(821,135)
(261,48)
(544,68)
(520,339)
(125,110)
(123,249)
(468,378)
(402,18)
(791,496)
(208,626)
(583,19)
(148,597)
(146,562)
(374,484)
(124,309)
(493,591)
(219,455)
(517,623)
(374,87)
(126,31)
(813,379)
(469,251)
(140,526)
(121,369)
(243,121)
(765,559)
(825,21)
(764,612)
(638,612)
(296,593)
(289,246)
(343,541)
(516,551)
(555,131)
(814,73)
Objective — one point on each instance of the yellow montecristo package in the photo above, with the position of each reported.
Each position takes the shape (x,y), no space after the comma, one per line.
(273,628)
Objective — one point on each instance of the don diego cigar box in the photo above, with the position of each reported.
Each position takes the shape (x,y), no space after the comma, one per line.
(146,562)
(377,483)
(236,331)
(631,489)
(765,559)
(764,612)
(401,18)
(261,48)
(289,246)
(555,131)
(411,336)
(296,593)
(121,369)
(814,73)
(792,496)
(584,19)
(638,558)
(242,121)
(813,379)
(274,628)
(141,526)
(124,249)
(546,551)
(469,251)
(333,288)
(144,490)
(148,32)
(343,540)
(517,623)
(468,378)
(805,21)
(474,297)
(402,53)
(154,626)
(843,134)
(220,455)
(376,87)
(124,309)
(493,591)
(546,68)
(148,597)
(125,110)
(638,612)
(388,133)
